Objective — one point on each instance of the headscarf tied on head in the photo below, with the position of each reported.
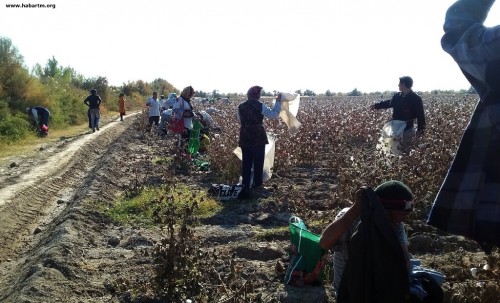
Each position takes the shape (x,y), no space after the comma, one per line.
(187,93)
(254,92)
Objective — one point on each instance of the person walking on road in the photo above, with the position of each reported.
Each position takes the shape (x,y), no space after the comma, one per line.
(121,105)
(93,101)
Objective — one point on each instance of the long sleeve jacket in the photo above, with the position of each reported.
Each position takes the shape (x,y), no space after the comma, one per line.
(406,108)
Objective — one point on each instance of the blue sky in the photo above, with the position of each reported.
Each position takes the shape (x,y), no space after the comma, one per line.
(231,45)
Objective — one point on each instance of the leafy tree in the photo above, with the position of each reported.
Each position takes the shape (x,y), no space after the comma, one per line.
(201,94)
(215,94)
(328,93)
(308,92)
(163,87)
(14,77)
(12,128)
(52,69)
(265,93)
(100,84)
(354,92)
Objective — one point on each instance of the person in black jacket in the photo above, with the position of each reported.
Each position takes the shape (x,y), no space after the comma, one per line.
(371,259)
(93,101)
(407,106)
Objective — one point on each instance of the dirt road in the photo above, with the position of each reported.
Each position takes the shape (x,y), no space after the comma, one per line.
(39,207)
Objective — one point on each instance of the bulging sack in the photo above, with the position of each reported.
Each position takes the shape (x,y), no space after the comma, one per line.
(176,125)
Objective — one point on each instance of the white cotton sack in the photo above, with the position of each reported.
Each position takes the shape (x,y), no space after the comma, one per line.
(391,137)
(268,160)
(289,109)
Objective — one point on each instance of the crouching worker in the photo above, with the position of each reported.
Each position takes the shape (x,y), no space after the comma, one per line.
(371,262)
(208,127)
(40,118)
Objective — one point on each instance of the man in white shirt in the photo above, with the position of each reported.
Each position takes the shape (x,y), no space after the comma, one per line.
(154,110)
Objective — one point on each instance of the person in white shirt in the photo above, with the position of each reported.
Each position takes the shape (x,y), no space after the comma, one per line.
(169,102)
(153,105)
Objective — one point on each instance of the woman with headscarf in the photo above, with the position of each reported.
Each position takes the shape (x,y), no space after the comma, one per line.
(183,109)
(253,137)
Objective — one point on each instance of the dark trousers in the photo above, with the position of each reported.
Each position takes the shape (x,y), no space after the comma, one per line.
(252,156)
(155,120)
(186,135)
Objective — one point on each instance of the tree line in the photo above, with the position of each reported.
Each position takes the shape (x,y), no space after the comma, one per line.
(62,90)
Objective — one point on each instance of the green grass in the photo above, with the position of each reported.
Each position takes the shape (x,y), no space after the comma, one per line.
(141,208)
(163,160)
(274,233)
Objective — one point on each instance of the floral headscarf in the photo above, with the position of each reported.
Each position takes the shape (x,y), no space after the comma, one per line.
(187,93)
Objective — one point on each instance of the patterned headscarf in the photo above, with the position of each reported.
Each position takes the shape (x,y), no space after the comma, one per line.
(187,93)
(254,92)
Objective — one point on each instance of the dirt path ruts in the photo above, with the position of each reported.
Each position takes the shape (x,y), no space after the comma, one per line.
(45,191)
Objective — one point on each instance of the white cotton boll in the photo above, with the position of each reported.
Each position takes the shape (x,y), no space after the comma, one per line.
(473,271)
(486,267)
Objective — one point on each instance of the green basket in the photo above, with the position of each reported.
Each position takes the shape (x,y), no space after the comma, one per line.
(194,138)
(308,251)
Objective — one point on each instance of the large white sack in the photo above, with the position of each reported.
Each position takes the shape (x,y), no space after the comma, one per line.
(391,138)
(268,160)
(289,109)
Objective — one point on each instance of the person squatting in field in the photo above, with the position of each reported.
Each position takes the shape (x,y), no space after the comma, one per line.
(40,117)
(93,101)
(208,127)
(253,138)
(407,106)
(153,105)
(468,202)
(369,239)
